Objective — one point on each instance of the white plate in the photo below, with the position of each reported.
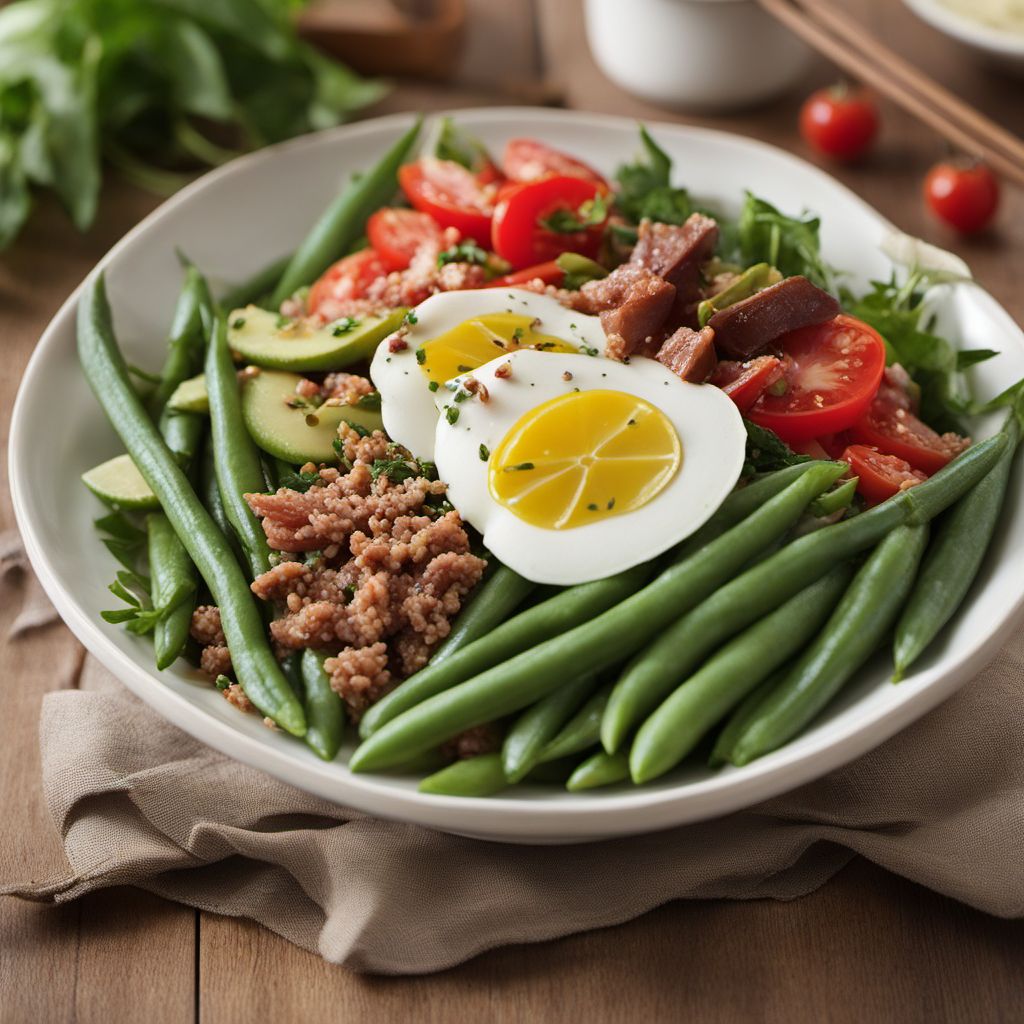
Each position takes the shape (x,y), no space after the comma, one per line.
(240,217)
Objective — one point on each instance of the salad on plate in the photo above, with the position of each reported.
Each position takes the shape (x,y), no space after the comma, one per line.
(529,473)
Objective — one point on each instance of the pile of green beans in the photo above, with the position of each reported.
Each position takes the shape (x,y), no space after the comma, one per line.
(104,367)
(854,632)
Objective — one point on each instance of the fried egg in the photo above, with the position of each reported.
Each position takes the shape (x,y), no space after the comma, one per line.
(575,468)
(454,333)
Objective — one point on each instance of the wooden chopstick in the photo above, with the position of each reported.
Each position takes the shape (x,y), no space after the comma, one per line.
(854,49)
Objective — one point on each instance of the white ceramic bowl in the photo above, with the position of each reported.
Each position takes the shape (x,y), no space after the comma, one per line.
(237,219)
(695,54)
(1002,49)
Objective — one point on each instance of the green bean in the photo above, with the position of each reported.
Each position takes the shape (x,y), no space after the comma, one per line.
(174,583)
(739,718)
(325,711)
(652,673)
(678,724)
(535,727)
(549,619)
(498,596)
(256,287)
(600,769)
(474,776)
(854,632)
(743,502)
(593,645)
(582,731)
(344,219)
(210,492)
(962,537)
(833,501)
(184,344)
(752,280)
(104,367)
(236,458)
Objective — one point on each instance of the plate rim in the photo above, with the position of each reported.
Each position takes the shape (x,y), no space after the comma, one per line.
(573,818)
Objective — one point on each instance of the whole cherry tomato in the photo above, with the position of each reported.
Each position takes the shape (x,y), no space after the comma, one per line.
(839,122)
(964,195)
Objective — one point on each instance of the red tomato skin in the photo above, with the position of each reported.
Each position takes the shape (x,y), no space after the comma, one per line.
(839,122)
(745,382)
(964,197)
(549,273)
(349,278)
(804,351)
(892,428)
(516,233)
(880,476)
(451,195)
(396,234)
(528,160)
(812,447)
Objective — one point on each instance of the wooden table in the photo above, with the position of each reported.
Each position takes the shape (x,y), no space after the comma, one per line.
(868,946)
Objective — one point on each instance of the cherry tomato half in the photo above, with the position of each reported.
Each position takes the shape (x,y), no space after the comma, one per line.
(396,234)
(453,196)
(347,279)
(839,122)
(549,273)
(881,476)
(745,382)
(518,231)
(965,196)
(528,160)
(831,373)
(891,427)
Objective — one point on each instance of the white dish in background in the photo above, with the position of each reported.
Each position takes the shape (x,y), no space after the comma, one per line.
(695,54)
(1004,49)
(237,219)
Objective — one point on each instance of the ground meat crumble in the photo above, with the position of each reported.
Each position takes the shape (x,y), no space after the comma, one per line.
(386,569)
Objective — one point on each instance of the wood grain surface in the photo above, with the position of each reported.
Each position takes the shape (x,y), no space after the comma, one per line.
(867,946)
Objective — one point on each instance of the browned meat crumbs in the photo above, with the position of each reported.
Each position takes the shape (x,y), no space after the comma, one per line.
(214,659)
(391,571)
(481,739)
(234,694)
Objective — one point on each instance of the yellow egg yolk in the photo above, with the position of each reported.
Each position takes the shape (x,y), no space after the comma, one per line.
(583,457)
(475,342)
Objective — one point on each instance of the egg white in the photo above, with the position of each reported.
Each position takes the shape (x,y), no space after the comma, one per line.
(407,403)
(707,422)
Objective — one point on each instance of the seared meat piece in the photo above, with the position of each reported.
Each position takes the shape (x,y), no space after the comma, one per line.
(750,325)
(633,304)
(689,354)
(677,252)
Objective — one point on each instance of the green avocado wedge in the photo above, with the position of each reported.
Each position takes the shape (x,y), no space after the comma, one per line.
(263,338)
(297,433)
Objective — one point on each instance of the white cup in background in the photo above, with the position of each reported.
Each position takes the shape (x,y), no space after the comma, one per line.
(696,54)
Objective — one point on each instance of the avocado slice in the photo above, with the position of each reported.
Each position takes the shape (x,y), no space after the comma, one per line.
(297,433)
(264,339)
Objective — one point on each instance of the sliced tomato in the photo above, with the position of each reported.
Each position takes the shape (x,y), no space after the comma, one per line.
(831,373)
(528,160)
(452,195)
(881,476)
(891,427)
(745,382)
(396,234)
(347,279)
(812,447)
(549,273)
(519,233)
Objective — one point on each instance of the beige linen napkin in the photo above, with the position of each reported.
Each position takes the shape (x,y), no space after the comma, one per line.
(138,802)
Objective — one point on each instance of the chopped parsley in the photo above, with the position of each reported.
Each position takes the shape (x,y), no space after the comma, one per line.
(238,323)
(563,221)
(344,325)
(433,385)
(465,252)
(517,334)
(396,470)
(766,451)
(357,427)
(300,482)
(485,453)
(592,507)
(611,504)
(421,356)
(281,321)
(370,402)
(410,317)
(451,414)
(520,467)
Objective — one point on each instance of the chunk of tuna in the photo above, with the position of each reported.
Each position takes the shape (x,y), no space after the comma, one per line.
(689,354)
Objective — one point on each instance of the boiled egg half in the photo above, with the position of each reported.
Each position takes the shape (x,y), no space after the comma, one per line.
(575,468)
(455,333)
